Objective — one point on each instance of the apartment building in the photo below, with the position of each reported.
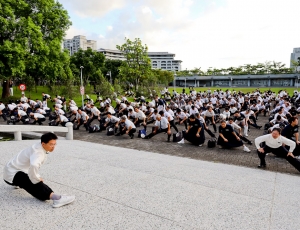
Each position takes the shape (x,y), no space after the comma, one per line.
(79,42)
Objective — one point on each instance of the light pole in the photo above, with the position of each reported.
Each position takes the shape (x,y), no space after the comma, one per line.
(175,80)
(81,67)
(109,74)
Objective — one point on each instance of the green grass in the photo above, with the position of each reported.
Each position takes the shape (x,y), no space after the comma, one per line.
(77,98)
(244,90)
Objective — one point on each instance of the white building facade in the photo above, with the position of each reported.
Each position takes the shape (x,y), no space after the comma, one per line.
(294,56)
(112,54)
(159,60)
(79,42)
(164,61)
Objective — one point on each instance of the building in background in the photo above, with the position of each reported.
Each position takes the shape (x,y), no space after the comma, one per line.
(294,56)
(112,54)
(164,61)
(79,42)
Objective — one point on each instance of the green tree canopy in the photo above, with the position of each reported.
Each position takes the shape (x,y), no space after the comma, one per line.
(31,34)
(136,69)
(92,61)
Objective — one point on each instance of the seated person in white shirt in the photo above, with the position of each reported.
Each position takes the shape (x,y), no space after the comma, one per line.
(2,108)
(22,115)
(140,117)
(225,114)
(237,129)
(82,119)
(279,120)
(41,111)
(38,118)
(274,143)
(161,125)
(22,170)
(169,118)
(95,113)
(58,110)
(111,121)
(127,127)
(182,117)
(23,98)
(63,120)
(209,116)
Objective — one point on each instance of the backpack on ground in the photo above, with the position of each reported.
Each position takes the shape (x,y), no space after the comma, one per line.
(142,133)
(110,131)
(212,143)
(94,128)
(177,137)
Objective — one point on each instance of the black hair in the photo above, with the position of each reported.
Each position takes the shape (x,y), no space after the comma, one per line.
(161,112)
(292,119)
(45,138)
(192,116)
(277,129)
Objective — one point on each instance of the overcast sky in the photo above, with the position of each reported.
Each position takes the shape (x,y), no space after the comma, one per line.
(202,33)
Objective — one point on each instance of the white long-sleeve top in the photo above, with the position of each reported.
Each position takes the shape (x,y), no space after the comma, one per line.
(274,143)
(28,161)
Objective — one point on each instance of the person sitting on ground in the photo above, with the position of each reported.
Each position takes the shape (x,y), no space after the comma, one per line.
(194,132)
(238,130)
(128,128)
(22,171)
(228,138)
(274,144)
(2,111)
(38,118)
(161,125)
(111,121)
(63,120)
(291,131)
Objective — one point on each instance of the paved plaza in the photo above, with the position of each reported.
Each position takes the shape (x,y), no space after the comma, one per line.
(159,144)
(121,188)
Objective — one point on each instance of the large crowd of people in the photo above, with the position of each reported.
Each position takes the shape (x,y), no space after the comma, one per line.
(230,113)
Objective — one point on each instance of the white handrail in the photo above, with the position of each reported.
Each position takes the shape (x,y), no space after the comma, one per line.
(18,129)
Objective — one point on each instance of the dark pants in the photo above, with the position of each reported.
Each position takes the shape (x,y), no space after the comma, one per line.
(40,190)
(185,122)
(39,121)
(208,131)
(131,132)
(139,122)
(172,124)
(243,138)
(157,132)
(280,152)
(210,119)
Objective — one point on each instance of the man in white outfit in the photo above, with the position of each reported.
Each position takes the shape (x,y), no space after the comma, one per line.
(23,171)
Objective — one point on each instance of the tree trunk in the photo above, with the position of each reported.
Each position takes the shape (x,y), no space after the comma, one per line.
(5,91)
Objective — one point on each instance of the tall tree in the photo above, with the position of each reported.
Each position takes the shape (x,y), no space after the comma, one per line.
(92,61)
(31,33)
(137,66)
(112,66)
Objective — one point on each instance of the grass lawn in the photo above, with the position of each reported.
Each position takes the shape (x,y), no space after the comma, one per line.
(38,94)
(244,90)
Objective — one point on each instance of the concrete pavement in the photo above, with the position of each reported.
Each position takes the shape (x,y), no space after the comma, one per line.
(119,188)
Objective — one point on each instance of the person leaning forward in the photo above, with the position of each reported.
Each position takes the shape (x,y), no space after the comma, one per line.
(274,144)
(22,171)
(161,125)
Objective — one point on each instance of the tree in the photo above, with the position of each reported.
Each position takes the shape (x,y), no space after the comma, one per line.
(112,66)
(137,66)
(92,61)
(31,33)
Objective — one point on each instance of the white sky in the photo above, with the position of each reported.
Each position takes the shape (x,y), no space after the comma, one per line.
(202,33)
